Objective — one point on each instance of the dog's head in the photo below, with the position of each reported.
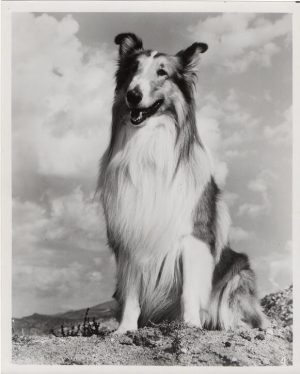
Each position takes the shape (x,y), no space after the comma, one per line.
(152,82)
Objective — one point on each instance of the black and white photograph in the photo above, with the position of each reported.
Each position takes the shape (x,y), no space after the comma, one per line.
(151,186)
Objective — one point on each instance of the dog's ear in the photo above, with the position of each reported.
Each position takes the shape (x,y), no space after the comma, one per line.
(190,57)
(128,43)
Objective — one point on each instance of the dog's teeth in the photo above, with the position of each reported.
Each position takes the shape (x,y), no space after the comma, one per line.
(138,115)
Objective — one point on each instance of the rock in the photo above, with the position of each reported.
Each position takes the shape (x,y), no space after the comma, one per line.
(260,336)
(150,343)
(288,334)
(141,339)
(137,340)
(126,340)
(227,344)
(279,306)
(270,331)
(246,335)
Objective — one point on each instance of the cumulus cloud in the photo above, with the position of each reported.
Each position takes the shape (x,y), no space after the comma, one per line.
(230,198)
(275,269)
(280,134)
(56,288)
(281,268)
(253,210)
(225,127)
(261,184)
(61,96)
(72,221)
(238,41)
(210,134)
(238,234)
(59,251)
(60,255)
(47,281)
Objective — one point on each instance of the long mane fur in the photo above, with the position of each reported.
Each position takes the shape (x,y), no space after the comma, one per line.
(150,185)
(155,184)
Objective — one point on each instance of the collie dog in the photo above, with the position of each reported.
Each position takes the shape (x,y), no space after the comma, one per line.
(166,221)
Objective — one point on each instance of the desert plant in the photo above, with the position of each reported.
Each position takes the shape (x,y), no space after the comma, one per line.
(87,328)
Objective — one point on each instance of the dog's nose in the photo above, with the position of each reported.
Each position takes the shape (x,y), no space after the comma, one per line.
(134,96)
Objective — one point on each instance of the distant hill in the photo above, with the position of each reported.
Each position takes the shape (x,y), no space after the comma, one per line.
(42,324)
(278,306)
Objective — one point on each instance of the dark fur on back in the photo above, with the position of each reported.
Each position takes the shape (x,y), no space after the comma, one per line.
(205,215)
(230,264)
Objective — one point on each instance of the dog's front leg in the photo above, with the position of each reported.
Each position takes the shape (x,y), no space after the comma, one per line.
(198,268)
(130,313)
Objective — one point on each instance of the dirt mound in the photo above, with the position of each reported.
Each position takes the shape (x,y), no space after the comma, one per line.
(171,344)
(279,306)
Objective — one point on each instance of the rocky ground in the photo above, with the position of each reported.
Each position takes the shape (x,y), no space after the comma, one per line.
(170,344)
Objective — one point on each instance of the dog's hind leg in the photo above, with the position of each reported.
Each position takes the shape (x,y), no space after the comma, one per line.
(234,301)
(198,268)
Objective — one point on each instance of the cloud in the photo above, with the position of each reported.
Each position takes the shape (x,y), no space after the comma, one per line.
(281,268)
(261,184)
(264,179)
(61,97)
(233,140)
(72,221)
(238,234)
(253,210)
(237,41)
(57,289)
(230,198)
(62,93)
(225,127)
(47,281)
(275,269)
(29,219)
(280,134)
(210,135)
(60,257)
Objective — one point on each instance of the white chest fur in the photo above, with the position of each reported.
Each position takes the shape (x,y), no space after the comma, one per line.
(148,207)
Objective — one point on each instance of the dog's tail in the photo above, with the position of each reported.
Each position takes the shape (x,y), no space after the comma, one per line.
(234,299)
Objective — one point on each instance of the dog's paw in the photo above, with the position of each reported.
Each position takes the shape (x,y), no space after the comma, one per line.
(265,323)
(123,329)
(194,325)
(118,332)
(192,321)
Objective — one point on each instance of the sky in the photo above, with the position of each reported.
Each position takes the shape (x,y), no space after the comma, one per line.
(63,69)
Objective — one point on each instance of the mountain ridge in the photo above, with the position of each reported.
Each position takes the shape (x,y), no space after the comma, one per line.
(41,324)
(274,305)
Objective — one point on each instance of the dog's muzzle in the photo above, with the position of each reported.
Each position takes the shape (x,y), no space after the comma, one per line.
(138,115)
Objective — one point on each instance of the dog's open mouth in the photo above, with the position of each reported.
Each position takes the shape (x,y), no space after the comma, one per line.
(138,115)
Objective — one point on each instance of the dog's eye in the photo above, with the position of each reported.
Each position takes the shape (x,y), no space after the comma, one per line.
(161,72)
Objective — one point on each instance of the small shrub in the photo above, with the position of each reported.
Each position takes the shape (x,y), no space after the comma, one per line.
(88,328)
